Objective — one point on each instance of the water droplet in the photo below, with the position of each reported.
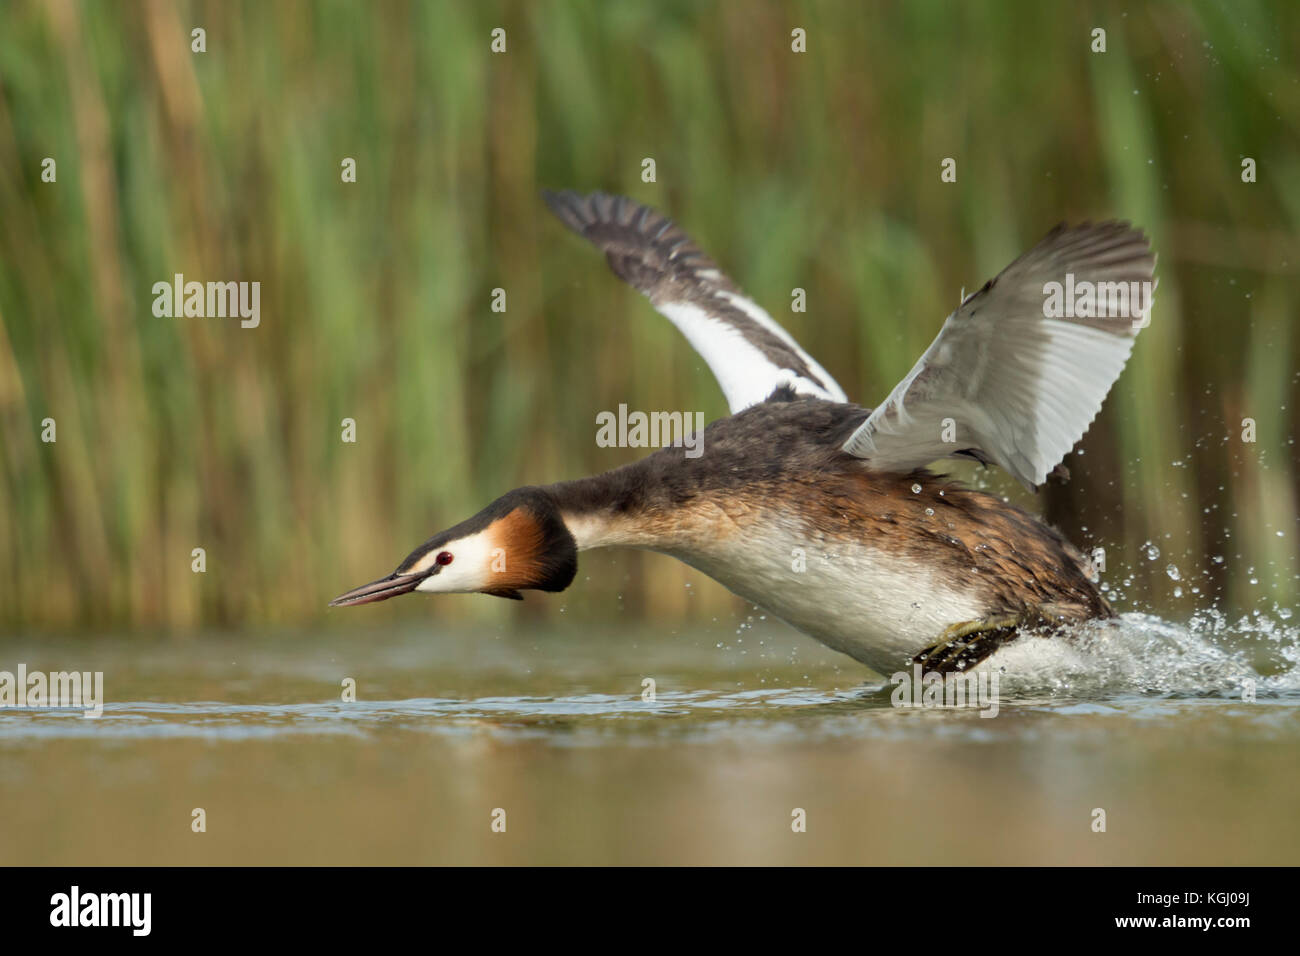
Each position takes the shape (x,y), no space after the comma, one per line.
(929,511)
(1173,573)
(1151,551)
(916,489)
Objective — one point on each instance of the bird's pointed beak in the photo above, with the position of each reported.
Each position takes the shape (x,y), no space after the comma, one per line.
(380,590)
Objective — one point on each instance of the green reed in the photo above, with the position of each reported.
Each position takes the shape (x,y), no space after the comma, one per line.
(818,171)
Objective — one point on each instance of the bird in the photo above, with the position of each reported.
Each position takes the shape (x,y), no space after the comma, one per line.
(823,512)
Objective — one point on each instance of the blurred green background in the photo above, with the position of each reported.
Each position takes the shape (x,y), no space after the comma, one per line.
(817,170)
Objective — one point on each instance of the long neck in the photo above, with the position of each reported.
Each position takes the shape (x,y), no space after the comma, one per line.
(629,507)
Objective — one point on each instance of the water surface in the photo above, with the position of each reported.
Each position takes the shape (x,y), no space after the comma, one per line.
(1145,721)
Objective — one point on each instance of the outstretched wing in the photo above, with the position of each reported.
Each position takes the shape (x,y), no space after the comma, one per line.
(749,354)
(1006,381)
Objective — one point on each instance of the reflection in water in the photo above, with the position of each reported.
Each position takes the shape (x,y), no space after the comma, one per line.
(1145,719)
(1119,663)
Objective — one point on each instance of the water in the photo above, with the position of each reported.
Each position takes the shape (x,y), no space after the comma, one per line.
(1144,720)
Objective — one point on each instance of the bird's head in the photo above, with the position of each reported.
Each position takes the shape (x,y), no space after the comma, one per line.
(518,542)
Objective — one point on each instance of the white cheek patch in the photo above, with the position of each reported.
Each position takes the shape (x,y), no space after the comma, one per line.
(471,568)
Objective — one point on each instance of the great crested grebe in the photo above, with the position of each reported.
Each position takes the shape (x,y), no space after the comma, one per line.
(821,511)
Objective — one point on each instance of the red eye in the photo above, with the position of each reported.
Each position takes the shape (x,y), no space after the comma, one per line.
(444,557)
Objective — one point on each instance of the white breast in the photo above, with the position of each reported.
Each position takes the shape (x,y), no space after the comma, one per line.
(878,608)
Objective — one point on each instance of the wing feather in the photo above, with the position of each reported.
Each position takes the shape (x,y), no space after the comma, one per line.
(1012,378)
(749,353)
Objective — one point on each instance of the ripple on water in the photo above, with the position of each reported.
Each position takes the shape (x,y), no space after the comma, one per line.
(1138,667)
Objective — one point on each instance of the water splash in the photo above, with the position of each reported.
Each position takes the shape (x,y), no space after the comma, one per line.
(1143,654)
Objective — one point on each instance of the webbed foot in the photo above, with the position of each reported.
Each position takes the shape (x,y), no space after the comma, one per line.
(963,645)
